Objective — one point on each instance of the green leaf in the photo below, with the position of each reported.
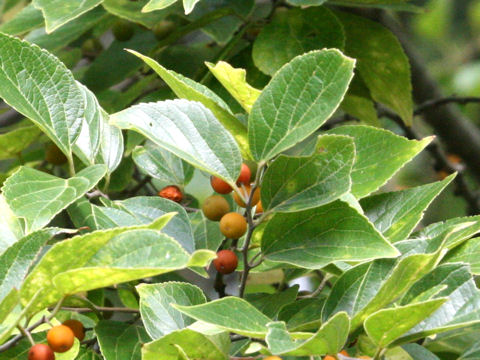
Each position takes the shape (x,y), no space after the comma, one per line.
(188,5)
(315,238)
(119,340)
(85,354)
(83,213)
(146,209)
(17,259)
(382,63)
(374,166)
(140,210)
(302,314)
(162,164)
(87,145)
(188,344)
(437,229)
(369,287)
(206,233)
(468,252)
(418,352)
(299,183)
(472,353)
(157,5)
(361,108)
(224,312)
(15,317)
(68,33)
(11,227)
(59,12)
(190,131)
(235,81)
(295,32)
(396,214)
(455,341)
(297,101)
(103,258)
(111,145)
(131,11)
(27,19)
(13,142)
(387,325)
(99,75)
(158,315)
(186,88)
(7,305)
(462,308)
(271,304)
(40,87)
(223,29)
(329,339)
(37,196)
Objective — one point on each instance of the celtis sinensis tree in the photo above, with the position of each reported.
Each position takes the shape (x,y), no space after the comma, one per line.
(171,172)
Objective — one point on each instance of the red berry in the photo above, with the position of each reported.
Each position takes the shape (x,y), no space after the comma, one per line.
(245,174)
(171,192)
(77,328)
(41,352)
(220,186)
(226,262)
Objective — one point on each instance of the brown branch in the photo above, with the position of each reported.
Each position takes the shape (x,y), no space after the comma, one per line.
(462,100)
(101,309)
(251,227)
(219,285)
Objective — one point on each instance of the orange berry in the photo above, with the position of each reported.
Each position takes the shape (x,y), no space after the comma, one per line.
(329,357)
(233,225)
(363,357)
(171,192)
(272,358)
(259,208)
(442,174)
(245,174)
(220,186)
(455,159)
(60,338)
(40,352)
(214,207)
(226,262)
(77,328)
(344,352)
(246,193)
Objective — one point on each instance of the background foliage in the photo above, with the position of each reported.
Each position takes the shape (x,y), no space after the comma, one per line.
(366,241)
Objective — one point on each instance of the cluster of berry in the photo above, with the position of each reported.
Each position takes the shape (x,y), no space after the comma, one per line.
(216,208)
(60,339)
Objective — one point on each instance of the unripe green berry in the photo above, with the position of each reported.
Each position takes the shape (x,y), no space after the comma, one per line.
(163,29)
(123,30)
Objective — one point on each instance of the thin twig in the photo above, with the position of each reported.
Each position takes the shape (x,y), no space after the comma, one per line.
(463,100)
(96,193)
(251,227)
(184,30)
(219,285)
(13,341)
(101,309)
(140,185)
(26,333)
